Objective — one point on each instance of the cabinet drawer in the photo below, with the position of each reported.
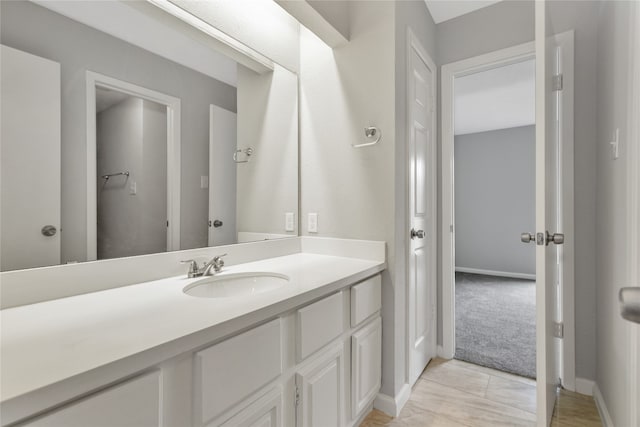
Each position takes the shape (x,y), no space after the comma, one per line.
(136,402)
(230,371)
(318,324)
(365,299)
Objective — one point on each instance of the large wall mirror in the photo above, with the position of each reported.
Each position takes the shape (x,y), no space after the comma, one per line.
(118,142)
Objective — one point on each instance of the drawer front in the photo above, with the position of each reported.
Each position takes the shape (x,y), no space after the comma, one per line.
(136,402)
(365,299)
(230,371)
(318,324)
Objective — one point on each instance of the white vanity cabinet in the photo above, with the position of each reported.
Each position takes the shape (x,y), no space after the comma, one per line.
(314,365)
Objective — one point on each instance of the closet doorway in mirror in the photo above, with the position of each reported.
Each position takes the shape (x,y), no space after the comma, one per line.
(133,156)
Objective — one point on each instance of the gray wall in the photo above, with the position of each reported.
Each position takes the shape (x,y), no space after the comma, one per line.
(79,48)
(512,22)
(495,200)
(612,232)
(132,136)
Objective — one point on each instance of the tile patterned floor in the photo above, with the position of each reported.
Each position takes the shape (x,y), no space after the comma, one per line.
(453,393)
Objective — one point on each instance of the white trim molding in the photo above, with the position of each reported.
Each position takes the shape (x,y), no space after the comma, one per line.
(496,273)
(585,386)
(605,417)
(393,405)
(94,80)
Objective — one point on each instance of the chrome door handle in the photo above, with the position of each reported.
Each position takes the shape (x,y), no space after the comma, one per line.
(417,233)
(527,237)
(48,230)
(555,238)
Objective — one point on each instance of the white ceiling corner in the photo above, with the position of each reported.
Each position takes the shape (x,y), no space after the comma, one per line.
(443,10)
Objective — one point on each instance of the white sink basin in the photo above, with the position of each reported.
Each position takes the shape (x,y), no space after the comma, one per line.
(236,285)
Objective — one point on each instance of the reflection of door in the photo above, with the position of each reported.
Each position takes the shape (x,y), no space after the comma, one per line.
(222,176)
(30,141)
(421,272)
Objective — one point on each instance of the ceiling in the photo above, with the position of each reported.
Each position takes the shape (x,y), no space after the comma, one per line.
(443,10)
(499,98)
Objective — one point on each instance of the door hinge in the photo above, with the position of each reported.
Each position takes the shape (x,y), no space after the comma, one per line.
(451,228)
(558,329)
(296,401)
(167,223)
(557,83)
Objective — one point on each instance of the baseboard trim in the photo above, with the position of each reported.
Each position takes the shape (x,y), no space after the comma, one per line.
(393,405)
(602,407)
(496,273)
(584,386)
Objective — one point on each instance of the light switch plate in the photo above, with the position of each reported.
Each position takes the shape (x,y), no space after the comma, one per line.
(312,223)
(133,188)
(289,221)
(615,145)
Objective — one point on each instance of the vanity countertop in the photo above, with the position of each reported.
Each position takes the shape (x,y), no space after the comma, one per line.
(53,341)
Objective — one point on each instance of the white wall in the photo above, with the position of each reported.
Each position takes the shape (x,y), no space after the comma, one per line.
(268,123)
(360,193)
(132,136)
(612,235)
(495,200)
(510,23)
(78,48)
(352,190)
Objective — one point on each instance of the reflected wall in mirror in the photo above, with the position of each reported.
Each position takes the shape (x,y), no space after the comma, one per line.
(229,168)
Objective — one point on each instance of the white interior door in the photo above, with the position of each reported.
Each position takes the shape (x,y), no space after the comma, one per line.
(30,151)
(222,176)
(548,262)
(422,214)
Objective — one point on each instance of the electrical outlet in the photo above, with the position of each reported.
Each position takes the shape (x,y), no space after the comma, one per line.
(289,221)
(312,223)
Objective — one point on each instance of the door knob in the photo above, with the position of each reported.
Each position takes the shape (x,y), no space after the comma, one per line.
(556,238)
(48,230)
(417,233)
(527,237)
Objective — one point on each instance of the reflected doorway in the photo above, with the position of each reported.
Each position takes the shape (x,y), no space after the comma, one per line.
(131,158)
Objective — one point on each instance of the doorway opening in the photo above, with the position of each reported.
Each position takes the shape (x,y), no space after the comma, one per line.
(133,169)
(489,307)
(494,187)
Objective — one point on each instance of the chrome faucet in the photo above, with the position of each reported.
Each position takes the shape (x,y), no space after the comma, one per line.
(215,264)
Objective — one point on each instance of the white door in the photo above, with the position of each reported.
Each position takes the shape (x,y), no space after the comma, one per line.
(547,196)
(320,391)
(222,176)
(30,151)
(422,211)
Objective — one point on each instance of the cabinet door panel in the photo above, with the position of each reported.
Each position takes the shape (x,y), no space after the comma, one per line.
(134,403)
(230,371)
(319,324)
(366,299)
(265,412)
(366,366)
(320,386)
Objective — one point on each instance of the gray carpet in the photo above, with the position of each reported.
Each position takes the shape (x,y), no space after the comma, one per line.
(496,323)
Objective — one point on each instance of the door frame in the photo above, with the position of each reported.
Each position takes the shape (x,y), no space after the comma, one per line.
(94,80)
(633,212)
(414,43)
(472,65)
